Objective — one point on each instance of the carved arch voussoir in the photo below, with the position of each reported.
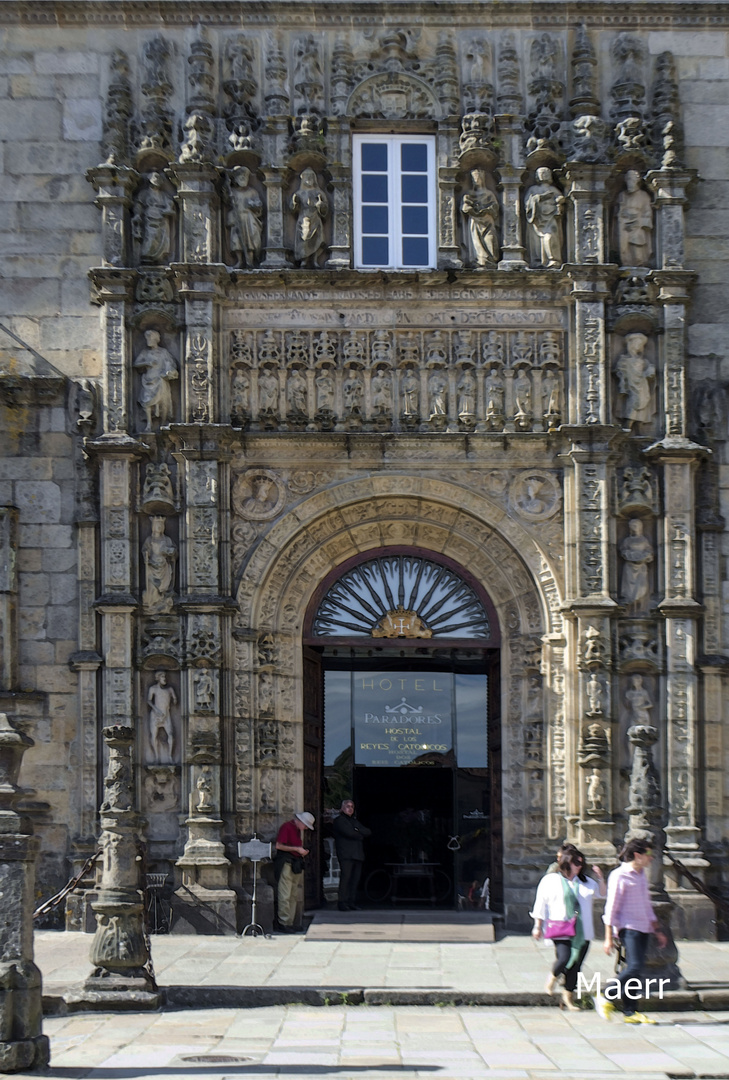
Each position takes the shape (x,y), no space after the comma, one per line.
(333,526)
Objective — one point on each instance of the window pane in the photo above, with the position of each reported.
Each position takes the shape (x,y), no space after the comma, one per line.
(375,251)
(414,251)
(374,188)
(414,189)
(374,219)
(471,721)
(415,219)
(414,157)
(374,157)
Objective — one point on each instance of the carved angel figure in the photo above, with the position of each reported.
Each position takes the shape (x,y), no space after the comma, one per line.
(480,208)
(159,369)
(244,218)
(635,222)
(311,205)
(152,222)
(544,212)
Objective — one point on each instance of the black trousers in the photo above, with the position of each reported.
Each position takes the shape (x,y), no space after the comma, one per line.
(563,948)
(350,871)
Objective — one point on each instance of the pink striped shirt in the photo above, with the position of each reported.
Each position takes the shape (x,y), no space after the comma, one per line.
(628,905)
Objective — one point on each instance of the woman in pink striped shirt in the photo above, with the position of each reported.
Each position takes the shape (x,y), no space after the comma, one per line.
(628,909)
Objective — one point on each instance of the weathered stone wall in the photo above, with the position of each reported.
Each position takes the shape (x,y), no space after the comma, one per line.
(54,80)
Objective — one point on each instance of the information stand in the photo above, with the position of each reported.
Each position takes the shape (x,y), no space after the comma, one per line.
(255,850)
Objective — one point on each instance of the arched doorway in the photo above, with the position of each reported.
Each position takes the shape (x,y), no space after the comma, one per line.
(402,713)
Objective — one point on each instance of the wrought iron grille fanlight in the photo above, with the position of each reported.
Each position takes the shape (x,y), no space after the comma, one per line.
(403,596)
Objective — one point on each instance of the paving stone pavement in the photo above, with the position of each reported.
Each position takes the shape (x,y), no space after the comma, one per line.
(385,1043)
(515,964)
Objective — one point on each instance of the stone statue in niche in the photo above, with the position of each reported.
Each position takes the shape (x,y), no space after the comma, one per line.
(298,394)
(244,218)
(159,369)
(324,392)
(381,393)
(410,394)
(595,792)
(353,390)
(480,209)
(635,378)
(522,397)
(544,212)
(161,698)
(159,554)
(438,396)
(466,397)
(551,406)
(594,694)
(267,393)
(494,395)
(204,690)
(635,222)
(152,222)
(638,702)
(240,395)
(311,206)
(637,552)
(204,787)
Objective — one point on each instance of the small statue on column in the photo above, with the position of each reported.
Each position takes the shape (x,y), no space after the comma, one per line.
(544,212)
(311,205)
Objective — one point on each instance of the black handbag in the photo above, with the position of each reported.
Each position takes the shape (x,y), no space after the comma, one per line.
(297,864)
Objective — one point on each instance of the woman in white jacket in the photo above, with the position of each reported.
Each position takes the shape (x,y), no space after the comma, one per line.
(563,896)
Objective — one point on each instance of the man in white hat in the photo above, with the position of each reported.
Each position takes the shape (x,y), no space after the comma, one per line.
(289,866)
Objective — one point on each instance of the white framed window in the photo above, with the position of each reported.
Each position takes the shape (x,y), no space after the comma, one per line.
(394,202)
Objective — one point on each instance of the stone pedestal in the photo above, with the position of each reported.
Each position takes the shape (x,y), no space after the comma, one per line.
(22,1046)
(204,903)
(122,976)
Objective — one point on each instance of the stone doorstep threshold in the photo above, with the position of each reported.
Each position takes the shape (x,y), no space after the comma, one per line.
(252,997)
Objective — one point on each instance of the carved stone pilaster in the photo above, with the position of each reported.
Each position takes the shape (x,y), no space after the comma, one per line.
(22,1046)
(114,185)
(675,317)
(8,598)
(513,253)
(120,949)
(275,249)
(197,195)
(113,291)
(590,400)
(449,249)
(340,251)
(200,568)
(585,186)
(669,186)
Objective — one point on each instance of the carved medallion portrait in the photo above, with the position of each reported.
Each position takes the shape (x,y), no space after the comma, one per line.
(258,495)
(535,495)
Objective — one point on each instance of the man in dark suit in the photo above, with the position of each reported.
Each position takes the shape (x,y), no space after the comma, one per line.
(349,836)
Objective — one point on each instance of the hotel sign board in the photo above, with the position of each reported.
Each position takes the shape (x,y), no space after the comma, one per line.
(400,717)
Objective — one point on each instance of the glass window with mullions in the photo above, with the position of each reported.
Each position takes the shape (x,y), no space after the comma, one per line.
(394,201)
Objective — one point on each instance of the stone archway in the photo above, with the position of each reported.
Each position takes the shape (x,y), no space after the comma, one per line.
(322,531)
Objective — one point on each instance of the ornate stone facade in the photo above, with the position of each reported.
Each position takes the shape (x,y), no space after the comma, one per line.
(251,412)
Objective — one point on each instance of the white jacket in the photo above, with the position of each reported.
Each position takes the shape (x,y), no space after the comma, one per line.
(549,902)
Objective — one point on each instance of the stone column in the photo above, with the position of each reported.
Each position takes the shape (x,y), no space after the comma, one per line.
(340,171)
(120,949)
(669,186)
(22,1046)
(449,248)
(114,292)
(645,812)
(199,288)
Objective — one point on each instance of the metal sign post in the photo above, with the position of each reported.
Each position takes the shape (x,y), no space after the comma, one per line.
(255,850)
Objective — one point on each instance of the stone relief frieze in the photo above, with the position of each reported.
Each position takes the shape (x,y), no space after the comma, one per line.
(401,380)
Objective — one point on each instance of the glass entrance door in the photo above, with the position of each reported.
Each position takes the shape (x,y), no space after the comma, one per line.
(408,740)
